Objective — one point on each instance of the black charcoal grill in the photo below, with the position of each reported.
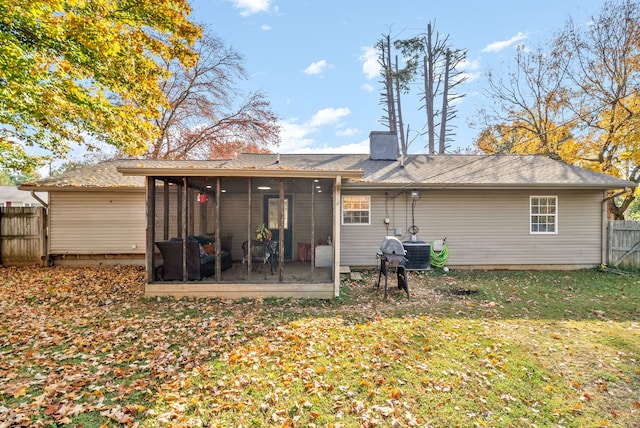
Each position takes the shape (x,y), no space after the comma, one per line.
(393,250)
(392,255)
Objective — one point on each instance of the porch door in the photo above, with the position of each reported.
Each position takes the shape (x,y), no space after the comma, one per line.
(271,208)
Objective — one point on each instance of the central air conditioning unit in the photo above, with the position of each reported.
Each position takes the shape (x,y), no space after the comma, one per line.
(418,255)
(418,252)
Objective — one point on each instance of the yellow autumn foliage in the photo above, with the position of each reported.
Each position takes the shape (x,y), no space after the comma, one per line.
(83,71)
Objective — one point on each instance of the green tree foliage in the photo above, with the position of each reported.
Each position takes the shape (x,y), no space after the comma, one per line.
(15,179)
(577,100)
(634,210)
(85,71)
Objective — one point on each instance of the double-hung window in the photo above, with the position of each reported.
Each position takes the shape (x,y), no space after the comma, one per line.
(543,214)
(356,210)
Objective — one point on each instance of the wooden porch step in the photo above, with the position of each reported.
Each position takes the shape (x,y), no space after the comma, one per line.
(345,272)
(355,276)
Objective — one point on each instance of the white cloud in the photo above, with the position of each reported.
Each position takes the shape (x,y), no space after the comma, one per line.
(349,149)
(294,136)
(471,70)
(328,116)
(347,132)
(250,7)
(370,66)
(498,46)
(367,87)
(317,67)
(298,137)
(265,27)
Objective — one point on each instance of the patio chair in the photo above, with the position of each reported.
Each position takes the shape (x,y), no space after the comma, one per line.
(197,267)
(260,254)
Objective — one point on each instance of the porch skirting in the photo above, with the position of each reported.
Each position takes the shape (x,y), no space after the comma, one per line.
(241,290)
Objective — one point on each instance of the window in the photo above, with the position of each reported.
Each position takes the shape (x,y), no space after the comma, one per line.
(356,209)
(543,214)
(274,208)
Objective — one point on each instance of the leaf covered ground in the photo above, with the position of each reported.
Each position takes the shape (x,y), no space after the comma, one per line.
(83,347)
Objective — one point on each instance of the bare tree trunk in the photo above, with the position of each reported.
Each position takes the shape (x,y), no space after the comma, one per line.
(445,104)
(390,99)
(428,90)
(403,141)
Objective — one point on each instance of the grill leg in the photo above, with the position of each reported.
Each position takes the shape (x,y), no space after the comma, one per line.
(382,271)
(403,280)
(386,280)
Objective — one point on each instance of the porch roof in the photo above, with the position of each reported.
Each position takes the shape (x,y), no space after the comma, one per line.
(271,166)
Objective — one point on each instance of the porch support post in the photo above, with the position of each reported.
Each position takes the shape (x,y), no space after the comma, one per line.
(281,231)
(179,210)
(249,231)
(313,230)
(151,232)
(165,228)
(337,213)
(216,226)
(183,232)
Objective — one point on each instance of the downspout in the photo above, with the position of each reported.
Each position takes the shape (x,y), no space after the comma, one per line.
(43,231)
(37,198)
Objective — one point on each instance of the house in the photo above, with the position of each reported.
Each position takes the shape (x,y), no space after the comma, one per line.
(11,196)
(323,212)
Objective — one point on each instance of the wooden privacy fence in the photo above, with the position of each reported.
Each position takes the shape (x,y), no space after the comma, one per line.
(623,243)
(23,233)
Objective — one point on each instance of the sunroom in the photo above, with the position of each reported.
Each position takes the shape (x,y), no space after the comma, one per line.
(220,231)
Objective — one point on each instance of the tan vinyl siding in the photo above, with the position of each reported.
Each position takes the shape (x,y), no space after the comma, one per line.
(97,222)
(197,211)
(322,213)
(484,227)
(233,220)
(360,242)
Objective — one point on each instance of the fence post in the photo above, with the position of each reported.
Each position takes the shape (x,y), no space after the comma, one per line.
(610,230)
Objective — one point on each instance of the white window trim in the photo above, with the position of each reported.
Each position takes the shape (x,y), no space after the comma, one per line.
(555,232)
(342,210)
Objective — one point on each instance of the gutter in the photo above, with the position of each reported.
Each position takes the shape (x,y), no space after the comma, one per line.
(361,185)
(37,198)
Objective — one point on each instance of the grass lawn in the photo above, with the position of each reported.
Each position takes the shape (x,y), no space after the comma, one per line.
(81,346)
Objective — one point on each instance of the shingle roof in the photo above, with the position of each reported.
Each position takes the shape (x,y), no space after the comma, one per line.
(15,195)
(102,175)
(418,170)
(446,170)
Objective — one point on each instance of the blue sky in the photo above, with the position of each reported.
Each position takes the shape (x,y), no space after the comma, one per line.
(314,59)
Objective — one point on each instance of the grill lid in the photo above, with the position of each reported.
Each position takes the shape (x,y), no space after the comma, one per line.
(392,246)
